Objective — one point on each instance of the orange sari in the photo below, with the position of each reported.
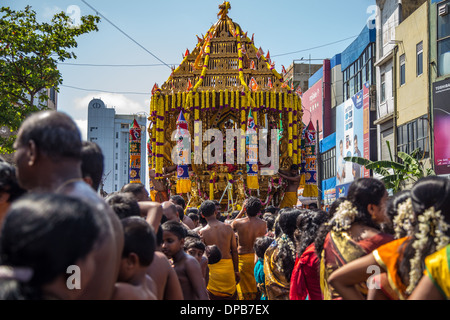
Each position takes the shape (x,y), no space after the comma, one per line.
(339,249)
(387,256)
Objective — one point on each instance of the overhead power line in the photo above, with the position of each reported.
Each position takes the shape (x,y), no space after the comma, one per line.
(123,32)
(110,65)
(318,47)
(106,91)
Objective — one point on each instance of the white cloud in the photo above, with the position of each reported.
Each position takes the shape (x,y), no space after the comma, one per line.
(82,125)
(78,107)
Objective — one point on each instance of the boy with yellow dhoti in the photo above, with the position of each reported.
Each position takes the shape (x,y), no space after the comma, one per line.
(223,275)
(293,177)
(248,229)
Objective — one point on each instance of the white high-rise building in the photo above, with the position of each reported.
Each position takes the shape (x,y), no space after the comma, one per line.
(111,132)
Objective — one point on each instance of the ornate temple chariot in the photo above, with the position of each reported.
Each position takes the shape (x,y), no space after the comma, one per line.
(225,83)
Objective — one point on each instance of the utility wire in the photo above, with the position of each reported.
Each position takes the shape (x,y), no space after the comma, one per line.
(105,91)
(109,65)
(321,46)
(145,49)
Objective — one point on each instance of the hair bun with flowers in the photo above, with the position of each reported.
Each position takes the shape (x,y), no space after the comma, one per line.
(403,221)
(344,216)
(431,225)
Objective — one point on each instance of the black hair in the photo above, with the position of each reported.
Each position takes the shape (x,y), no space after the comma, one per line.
(191,210)
(92,162)
(392,210)
(176,228)
(207,208)
(308,224)
(179,200)
(431,191)
(270,220)
(134,188)
(55,134)
(271,209)
(123,204)
(261,244)
(324,229)
(253,206)
(294,167)
(365,191)
(193,216)
(139,238)
(9,183)
(286,248)
(192,234)
(213,254)
(46,233)
(195,243)
(180,211)
(361,193)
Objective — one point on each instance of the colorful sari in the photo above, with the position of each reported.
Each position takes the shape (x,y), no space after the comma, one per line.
(388,256)
(437,268)
(277,286)
(339,249)
(246,287)
(305,280)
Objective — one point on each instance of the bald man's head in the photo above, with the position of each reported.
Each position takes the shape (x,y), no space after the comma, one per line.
(54,133)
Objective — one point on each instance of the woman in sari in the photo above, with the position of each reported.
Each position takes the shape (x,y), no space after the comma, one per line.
(279,258)
(435,283)
(305,281)
(401,261)
(353,232)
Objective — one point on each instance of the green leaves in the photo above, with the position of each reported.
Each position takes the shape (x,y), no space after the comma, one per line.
(396,174)
(29,53)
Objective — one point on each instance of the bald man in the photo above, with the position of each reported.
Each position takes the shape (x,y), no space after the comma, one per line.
(48,159)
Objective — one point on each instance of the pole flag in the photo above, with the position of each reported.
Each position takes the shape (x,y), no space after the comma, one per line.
(252,153)
(183,155)
(135,153)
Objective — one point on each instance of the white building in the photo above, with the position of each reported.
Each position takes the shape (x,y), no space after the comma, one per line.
(111,132)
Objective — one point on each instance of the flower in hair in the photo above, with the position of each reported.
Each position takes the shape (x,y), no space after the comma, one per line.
(431,225)
(403,220)
(344,216)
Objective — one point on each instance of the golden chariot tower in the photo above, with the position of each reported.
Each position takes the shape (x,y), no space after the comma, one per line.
(226,84)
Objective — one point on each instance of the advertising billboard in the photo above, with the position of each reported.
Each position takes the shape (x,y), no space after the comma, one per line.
(441,110)
(312,102)
(352,137)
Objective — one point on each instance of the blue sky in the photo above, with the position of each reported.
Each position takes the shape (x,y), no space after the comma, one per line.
(168,28)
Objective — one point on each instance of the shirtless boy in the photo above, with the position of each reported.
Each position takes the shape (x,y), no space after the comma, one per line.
(139,247)
(186,266)
(223,276)
(247,230)
(290,196)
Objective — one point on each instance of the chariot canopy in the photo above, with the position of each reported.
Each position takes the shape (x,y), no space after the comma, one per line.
(221,86)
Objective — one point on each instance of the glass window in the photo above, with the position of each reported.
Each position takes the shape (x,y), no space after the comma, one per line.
(444,57)
(383,88)
(443,22)
(402,70)
(419,57)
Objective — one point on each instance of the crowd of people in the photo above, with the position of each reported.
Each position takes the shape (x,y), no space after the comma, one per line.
(55,225)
